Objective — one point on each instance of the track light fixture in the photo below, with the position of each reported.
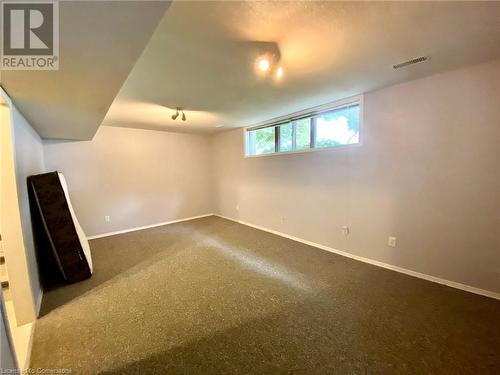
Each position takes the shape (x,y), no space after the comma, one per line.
(178,111)
(269,65)
(279,72)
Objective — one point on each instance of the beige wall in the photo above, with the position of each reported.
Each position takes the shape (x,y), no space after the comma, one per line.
(137,177)
(7,356)
(29,161)
(22,155)
(428,173)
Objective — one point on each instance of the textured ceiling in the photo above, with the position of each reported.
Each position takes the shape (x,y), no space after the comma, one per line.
(100,41)
(202,57)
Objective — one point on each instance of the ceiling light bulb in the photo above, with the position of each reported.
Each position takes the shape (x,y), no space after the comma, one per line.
(183,116)
(264,65)
(279,72)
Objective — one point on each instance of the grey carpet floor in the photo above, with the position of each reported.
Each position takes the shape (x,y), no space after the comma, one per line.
(210,296)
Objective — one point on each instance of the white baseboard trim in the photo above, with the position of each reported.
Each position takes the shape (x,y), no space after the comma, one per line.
(434,279)
(29,348)
(39,303)
(146,227)
(38,307)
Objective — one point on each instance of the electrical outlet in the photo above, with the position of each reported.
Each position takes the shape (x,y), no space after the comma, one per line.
(107,219)
(391,241)
(345,230)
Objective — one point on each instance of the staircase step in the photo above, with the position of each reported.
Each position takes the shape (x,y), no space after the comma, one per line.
(6,294)
(4,280)
(3,276)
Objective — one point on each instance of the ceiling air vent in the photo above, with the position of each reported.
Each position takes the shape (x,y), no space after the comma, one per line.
(411,62)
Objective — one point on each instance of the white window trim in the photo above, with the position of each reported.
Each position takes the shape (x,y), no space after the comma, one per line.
(310,111)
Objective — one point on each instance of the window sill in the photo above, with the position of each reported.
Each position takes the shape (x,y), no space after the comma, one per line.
(307,150)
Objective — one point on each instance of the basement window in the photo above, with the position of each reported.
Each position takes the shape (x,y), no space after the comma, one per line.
(325,127)
(262,141)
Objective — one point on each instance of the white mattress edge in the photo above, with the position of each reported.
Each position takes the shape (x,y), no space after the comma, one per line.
(79,231)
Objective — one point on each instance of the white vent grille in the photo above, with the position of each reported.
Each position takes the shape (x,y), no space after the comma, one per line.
(411,62)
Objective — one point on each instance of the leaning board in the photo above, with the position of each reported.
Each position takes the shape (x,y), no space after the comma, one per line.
(65,237)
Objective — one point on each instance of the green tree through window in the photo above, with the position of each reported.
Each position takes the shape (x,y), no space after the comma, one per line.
(261,141)
(336,127)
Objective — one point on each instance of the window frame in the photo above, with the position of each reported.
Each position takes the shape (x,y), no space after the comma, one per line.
(311,113)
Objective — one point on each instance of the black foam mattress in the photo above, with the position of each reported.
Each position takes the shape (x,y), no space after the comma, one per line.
(62,247)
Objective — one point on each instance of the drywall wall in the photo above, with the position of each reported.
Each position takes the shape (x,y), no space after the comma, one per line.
(22,155)
(136,177)
(29,161)
(7,356)
(428,172)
